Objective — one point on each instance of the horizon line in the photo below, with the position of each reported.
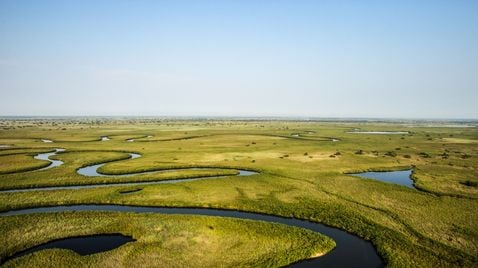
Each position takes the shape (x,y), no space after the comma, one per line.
(248,117)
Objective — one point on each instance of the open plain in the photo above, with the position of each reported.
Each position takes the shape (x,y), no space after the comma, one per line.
(292,169)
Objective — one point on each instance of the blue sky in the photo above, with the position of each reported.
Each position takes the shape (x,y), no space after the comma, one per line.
(401,59)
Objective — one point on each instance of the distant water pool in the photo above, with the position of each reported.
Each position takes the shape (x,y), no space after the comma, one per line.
(380,132)
(401,177)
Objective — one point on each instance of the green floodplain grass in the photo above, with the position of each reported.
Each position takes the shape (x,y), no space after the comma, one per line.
(304,177)
(168,240)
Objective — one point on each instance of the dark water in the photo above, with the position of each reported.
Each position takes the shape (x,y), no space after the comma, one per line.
(130,191)
(351,251)
(401,177)
(83,245)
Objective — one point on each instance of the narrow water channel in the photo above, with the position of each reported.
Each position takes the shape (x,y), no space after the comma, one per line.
(351,251)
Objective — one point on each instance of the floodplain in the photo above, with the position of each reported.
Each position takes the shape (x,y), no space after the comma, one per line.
(68,178)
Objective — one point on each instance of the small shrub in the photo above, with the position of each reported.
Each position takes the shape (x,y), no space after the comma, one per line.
(469,183)
(424,155)
(391,153)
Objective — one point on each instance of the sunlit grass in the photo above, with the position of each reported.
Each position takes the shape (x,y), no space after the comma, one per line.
(300,177)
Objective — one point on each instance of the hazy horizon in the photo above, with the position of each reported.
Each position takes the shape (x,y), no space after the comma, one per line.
(238,117)
(322,59)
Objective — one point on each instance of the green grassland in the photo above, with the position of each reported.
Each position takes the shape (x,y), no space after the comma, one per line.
(304,177)
(172,240)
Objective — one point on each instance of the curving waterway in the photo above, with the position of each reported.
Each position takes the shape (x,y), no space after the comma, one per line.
(350,251)
(92,171)
(46,156)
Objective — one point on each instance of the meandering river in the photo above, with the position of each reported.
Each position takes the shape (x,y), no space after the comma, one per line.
(351,250)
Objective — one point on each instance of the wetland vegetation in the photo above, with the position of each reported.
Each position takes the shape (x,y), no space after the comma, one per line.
(300,170)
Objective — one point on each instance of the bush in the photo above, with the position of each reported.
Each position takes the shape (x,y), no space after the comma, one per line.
(391,153)
(470,183)
(424,155)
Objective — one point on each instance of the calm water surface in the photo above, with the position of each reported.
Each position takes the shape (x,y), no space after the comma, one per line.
(401,177)
(83,245)
(351,251)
